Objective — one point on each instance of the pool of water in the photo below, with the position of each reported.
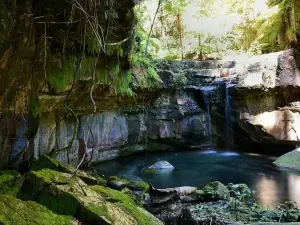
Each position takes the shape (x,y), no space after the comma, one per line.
(198,168)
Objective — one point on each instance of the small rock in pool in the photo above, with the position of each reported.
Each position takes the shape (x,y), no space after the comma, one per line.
(161,166)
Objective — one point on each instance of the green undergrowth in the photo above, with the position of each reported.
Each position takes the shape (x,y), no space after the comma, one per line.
(145,72)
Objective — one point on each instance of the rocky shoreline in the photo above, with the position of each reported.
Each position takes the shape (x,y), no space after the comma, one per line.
(51,193)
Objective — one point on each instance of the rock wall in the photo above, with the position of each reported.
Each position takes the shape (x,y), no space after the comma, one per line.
(266,99)
(174,119)
(232,104)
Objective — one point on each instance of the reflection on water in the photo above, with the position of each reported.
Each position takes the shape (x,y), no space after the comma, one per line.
(208,152)
(285,186)
(267,192)
(294,187)
(198,168)
(230,154)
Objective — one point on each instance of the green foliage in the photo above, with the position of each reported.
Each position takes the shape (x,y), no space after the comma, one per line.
(272,31)
(241,192)
(144,71)
(115,50)
(259,30)
(213,191)
(63,76)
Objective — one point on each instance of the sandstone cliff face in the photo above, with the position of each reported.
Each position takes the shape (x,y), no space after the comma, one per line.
(266,99)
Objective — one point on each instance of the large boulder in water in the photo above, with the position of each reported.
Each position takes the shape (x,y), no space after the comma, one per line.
(290,160)
(161,166)
(213,191)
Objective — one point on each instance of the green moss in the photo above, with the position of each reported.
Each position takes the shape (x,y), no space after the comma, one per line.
(130,194)
(91,213)
(66,196)
(49,163)
(144,188)
(115,178)
(126,203)
(101,181)
(14,211)
(46,162)
(40,186)
(115,50)
(213,191)
(10,182)
(141,185)
(61,77)
(289,160)
(133,149)
(149,171)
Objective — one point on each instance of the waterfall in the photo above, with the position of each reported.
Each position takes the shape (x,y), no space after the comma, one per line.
(228,114)
(206,90)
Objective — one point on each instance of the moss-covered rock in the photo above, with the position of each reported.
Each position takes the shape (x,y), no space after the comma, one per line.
(14,211)
(46,162)
(213,191)
(142,186)
(126,203)
(130,194)
(290,160)
(71,196)
(241,192)
(131,150)
(101,181)
(119,183)
(10,182)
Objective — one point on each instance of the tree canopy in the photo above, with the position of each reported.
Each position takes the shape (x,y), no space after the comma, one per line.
(214,28)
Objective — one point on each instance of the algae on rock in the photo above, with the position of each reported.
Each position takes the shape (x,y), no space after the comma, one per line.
(66,195)
(14,211)
(213,191)
(10,182)
(290,160)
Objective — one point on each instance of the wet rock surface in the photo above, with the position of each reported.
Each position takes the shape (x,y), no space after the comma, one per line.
(289,160)
(238,207)
(161,166)
(257,102)
(57,194)
(213,191)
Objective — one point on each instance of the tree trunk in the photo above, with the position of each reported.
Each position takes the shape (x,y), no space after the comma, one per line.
(180,32)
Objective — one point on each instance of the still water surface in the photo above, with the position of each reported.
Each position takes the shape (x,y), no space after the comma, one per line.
(198,168)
